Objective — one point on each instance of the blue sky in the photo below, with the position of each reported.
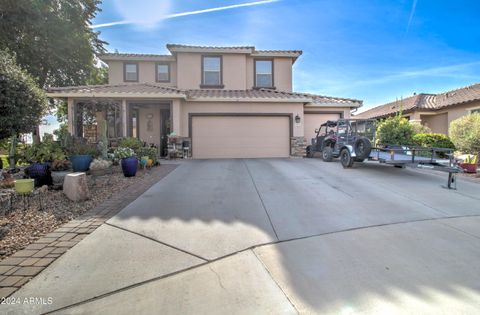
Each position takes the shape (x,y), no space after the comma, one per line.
(371,50)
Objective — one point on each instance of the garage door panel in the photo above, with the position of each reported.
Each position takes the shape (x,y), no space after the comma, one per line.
(240,136)
(313,121)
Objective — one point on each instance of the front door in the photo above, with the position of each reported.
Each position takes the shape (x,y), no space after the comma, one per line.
(164,131)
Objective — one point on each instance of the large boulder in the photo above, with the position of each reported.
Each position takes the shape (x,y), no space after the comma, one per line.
(75,187)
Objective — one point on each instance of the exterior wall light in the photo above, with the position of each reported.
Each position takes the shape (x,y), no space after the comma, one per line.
(297,119)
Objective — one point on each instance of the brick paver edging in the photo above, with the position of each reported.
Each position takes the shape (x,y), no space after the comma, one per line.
(22,266)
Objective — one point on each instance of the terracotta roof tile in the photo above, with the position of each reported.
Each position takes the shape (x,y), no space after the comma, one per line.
(152,88)
(169,46)
(425,101)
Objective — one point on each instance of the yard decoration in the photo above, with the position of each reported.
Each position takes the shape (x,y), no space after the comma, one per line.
(81,155)
(129,161)
(24,186)
(99,167)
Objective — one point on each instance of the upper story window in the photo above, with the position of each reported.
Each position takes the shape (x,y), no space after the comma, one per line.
(163,72)
(264,73)
(212,71)
(130,72)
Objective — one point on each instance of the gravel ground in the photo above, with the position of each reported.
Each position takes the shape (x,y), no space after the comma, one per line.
(26,223)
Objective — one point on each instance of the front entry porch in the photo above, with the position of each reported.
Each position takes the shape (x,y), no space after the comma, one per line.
(151,121)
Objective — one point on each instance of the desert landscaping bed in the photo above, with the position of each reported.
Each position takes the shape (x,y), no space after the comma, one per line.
(25,221)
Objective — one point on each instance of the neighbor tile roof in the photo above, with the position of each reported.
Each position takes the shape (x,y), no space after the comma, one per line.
(427,102)
(170,46)
(150,89)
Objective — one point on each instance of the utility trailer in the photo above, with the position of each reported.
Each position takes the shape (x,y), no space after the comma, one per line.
(435,159)
(352,140)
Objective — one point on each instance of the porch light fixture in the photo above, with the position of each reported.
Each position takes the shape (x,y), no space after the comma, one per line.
(297,119)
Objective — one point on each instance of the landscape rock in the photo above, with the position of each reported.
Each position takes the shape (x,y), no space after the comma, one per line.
(75,187)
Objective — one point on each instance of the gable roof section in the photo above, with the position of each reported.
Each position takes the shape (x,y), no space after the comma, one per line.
(152,90)
(135,57)
(427,102)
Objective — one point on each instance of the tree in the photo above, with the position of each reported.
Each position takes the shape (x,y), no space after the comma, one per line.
(52,39)
(465,133)
(22,102)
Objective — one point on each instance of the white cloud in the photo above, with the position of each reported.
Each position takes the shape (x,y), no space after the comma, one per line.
(149,13)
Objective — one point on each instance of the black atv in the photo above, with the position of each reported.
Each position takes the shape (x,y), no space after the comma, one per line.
(349,139)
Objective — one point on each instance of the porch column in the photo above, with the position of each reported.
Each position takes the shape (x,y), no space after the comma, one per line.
(71,115)
(176,117)
(124,117)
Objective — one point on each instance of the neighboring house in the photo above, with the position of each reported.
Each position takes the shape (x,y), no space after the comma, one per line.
(435,111)
(229,102)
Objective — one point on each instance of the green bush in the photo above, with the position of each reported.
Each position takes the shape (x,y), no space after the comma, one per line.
(147,151)
(433,140)
(465,133)
(130,142)
(419,128)
(46,151)
(395,130)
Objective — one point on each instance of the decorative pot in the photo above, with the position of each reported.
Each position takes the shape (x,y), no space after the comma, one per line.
(40,172)
(469,168)
(80,163)
(24,186)
(58,177)
(129,166)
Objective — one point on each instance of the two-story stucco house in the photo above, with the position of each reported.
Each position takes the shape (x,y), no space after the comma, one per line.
(229,102)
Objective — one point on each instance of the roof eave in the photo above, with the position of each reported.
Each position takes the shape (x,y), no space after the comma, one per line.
(113,95)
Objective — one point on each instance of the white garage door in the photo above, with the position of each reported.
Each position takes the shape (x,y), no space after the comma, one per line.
(240,136)
(313,121)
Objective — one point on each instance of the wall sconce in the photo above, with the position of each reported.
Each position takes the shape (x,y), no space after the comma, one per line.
(297,119)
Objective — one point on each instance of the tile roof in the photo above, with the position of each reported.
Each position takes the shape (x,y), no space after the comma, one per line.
(170,46)
(150,89)
(429,102)
(133,88)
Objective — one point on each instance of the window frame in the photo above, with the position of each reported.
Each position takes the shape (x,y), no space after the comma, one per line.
(255,73)
(168,73)
(474,110)
(125,71)
(211,86)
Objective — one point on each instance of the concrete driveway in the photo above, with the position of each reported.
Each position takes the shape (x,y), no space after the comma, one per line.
(277,236)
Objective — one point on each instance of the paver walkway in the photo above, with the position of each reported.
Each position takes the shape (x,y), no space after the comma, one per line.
(276,236)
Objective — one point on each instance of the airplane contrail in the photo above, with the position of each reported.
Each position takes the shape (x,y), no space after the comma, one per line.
(174,15)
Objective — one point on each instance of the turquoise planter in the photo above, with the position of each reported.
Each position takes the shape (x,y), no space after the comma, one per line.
(80,163)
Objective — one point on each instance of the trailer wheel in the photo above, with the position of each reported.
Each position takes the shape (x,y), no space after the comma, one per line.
(362,148)
(327,154)
(310,152)
(346,158)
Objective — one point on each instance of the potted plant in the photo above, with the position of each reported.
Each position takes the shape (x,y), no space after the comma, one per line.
(470,164)
(41,156)
(128,159)
(60,169)
(81,155)
(99,167)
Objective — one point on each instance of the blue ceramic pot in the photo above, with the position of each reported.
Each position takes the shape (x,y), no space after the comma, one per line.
(38,170)
(80,163)
(129,166)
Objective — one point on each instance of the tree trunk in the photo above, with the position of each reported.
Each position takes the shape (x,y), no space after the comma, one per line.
(11,153)
(36,135)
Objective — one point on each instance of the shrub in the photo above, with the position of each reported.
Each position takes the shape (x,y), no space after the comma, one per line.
(419,128)
(395,130)
(433,140)
(132,143)
(46,151)
(147,151)
(122,153)
(465,133)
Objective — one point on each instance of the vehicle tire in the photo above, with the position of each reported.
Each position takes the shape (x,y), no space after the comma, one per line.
(362,148)
(346,158)
(327,154)
(310,152)
(358,160)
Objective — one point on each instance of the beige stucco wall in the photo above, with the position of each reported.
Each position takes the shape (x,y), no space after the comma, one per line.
(241,107)
(437,123)
(146,70)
